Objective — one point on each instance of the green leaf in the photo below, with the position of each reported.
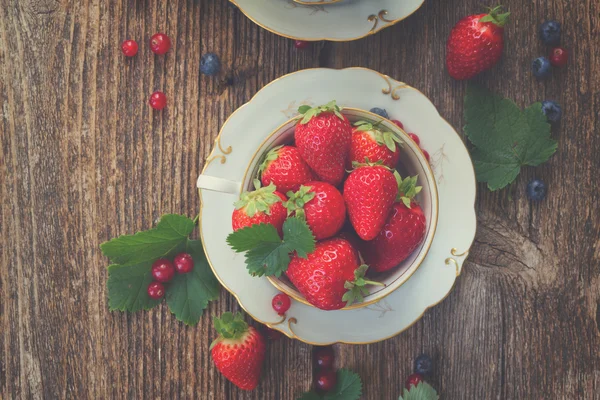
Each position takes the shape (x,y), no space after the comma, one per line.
(127,287)
(251,236)
(348,387)
(505,138)
(268,258)
(303,109)
(423,391)
(168,237)
(298,237)
(188,294)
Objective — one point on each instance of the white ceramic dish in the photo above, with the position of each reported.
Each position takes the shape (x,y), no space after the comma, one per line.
(317,20)
(241,136)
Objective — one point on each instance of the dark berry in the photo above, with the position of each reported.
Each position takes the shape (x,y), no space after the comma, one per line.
(541,68)
(158,100)
(426,154)
(184,263)
(271,334)
(550,33)
(323,357)
(301,44)
(160,43)
(413,380)
(281,303)
(423,365)
(380,111)
(325,380)
(156,290)
(552,110)
(210,64)
(536,190)
(559,57)
(129,48)
(400,124)
(415,138)
(163,270)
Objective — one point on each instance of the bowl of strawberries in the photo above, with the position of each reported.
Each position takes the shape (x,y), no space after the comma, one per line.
(337,208)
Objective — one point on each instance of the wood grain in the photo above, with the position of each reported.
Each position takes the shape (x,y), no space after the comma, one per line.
(85,159)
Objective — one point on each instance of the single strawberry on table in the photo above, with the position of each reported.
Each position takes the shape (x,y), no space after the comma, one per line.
(371,141)
(369,191)
(331,277)
(402,233)
(263,205)
(321,205)
(476,44)
(323,137)
(284,167)
(239,350)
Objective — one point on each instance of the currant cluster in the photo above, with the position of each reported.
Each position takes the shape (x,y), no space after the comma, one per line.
(163,270)
(325,377)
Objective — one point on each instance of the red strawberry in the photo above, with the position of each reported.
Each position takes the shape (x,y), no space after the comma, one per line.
(321,205)
(323,139)
(476,44)
(403,232)
(369,192)
(369,141)
(239,351)
(284,167)
(331,277)
(264,205)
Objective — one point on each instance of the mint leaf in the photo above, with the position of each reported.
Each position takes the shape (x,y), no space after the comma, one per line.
(189,294)
(348,387)
(298,237)
(251,236)
(505,138)
(423,391)
(169,236)
(127,287)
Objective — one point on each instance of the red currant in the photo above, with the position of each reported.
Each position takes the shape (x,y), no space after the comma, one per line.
(163,270)
(426,154)
(184,263)
(413,380)
(325,380)
(301,44)
(156,290)
(158,100)
(559,57)
(129,48)
(400,124)
(281,303)
(160,43)
(323,357)
(415,138)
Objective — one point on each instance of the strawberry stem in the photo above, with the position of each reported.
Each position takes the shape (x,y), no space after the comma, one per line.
(496,16)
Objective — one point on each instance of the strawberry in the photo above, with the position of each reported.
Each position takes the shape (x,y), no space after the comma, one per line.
(264,205)
(323,139)
(370,141)
(284,167)
(331,277)
(369,192)
(321,205)
(476,44)
(239,351)
(402,233)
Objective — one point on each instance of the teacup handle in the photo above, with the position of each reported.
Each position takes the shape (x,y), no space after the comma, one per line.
(206,182)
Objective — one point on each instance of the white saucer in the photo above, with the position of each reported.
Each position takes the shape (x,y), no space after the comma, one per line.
(243,133)
(327,19)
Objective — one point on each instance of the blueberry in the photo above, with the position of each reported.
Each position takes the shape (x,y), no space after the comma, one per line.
(550,33)
(536,190)
(541,67)
(210,64)
(380,111)
(552,110)
(423,365)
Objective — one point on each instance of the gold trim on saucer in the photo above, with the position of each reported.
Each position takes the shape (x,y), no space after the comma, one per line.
(221,157)
(381,16)
(451,260)
(290,322)
(320,2)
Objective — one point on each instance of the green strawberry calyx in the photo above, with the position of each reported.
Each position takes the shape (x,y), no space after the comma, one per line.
(407,188)
(296,201)
(259,200)
(382,137)
(368,163)
(229,326)
(272,155)
(496,16)
(357,288)
(307,112)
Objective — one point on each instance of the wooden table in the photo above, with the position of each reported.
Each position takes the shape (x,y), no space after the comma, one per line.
(84,159)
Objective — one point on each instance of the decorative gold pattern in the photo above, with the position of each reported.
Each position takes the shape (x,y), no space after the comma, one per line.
(280,322)
(379,17)
(393,90)
(451,260)
(290,322)
(383,307)
(316,2)
(221,157)
(437,162)
(314,9)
